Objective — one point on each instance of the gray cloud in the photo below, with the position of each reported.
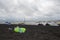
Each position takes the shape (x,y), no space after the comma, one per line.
(17,10)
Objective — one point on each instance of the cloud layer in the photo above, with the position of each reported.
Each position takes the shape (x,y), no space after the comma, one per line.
(40,10)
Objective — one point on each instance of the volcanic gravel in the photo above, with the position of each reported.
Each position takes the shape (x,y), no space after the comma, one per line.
(34,32)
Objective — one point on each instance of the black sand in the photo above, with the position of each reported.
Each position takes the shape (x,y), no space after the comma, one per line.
(33,33)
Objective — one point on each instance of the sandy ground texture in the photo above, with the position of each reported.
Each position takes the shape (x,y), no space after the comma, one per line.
(33,32)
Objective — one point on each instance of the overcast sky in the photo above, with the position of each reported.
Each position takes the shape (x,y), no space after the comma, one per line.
(17,10)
